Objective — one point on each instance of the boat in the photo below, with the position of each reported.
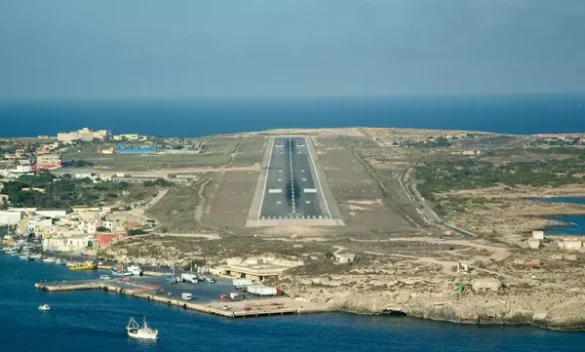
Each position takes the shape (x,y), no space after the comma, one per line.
(60,261)
(144,332)
(10,251)
(135,270)
(70,264)
(120,270)
(83,266)
(33,257)
(105,277)
(44,307)
(49,260)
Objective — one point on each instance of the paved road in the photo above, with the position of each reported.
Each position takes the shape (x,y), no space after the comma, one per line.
(290,191)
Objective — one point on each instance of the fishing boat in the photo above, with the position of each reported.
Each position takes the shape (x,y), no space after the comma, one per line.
(60,261)
(120,270)
(144,332)
(49,260)
(44,307)
(83,266)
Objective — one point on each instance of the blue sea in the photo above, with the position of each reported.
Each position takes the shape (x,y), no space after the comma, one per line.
(523,114)
(94,321)
(576,222)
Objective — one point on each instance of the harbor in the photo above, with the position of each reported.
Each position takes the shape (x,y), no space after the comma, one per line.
(229,308)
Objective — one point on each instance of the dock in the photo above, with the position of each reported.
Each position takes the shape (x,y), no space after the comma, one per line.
(149,292)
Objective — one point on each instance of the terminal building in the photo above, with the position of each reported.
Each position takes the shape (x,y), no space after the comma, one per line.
(258,271)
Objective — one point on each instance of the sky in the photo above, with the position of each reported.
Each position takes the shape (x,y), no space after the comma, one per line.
(54,49)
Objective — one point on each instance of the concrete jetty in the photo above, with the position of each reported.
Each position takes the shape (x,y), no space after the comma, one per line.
(149,292)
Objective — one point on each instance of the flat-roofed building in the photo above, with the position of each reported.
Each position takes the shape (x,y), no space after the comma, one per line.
(255,272)
(48,162)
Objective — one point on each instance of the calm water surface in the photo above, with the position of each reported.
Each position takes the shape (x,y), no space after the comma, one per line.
(576,223)
(95,321)
(193,118)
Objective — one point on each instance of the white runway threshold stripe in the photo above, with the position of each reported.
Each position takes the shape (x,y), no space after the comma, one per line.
(275,190)
(310,190)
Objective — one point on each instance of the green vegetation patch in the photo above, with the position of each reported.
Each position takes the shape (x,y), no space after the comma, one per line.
(66,192)
(468,173)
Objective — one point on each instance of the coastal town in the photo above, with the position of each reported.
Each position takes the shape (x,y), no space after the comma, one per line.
(445,225)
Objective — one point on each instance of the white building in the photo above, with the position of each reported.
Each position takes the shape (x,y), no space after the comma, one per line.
(84,134)
(75,243)
(10,217)
(570,244)
(539,235)
(52,213)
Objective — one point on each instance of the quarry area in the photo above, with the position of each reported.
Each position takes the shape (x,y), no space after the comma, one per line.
(444,225)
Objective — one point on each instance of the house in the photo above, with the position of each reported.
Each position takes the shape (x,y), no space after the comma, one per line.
(570,244)
(539,235)
(344,258)
(75,243)
(10,217)
(533,243)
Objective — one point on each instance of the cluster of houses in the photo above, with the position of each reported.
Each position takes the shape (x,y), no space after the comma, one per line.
(24,161)
(85,229)
(565,243)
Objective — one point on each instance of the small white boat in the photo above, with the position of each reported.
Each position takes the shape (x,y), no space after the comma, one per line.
(144,332)
(60,262)
(49,260)
(44,307)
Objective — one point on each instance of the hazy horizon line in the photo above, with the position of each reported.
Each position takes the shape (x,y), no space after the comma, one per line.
(287,97)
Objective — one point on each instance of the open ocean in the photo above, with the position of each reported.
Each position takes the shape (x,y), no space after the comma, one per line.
(95,321)
(193,118)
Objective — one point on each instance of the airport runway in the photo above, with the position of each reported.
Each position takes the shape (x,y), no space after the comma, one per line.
(290,190)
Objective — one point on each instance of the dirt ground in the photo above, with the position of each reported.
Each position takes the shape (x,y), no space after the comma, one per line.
(227,199)
(359,196)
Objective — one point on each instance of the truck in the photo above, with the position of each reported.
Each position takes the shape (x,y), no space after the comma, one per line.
(241,283)
(262,290)
(189,277)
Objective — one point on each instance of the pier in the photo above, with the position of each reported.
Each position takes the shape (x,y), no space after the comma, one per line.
(150,292)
